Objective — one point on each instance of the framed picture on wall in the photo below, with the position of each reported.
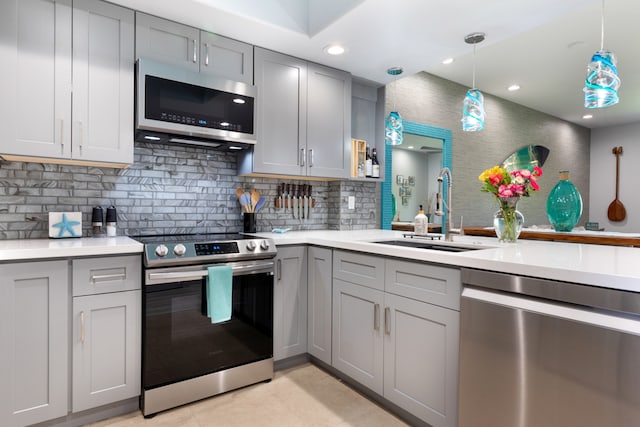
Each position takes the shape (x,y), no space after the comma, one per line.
(402,191)
(399,179)
(407,191)
(405,201)
(412,181)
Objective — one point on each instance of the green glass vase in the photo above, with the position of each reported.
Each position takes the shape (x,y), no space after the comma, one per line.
(564,205)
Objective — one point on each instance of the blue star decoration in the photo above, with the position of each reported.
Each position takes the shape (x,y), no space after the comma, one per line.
(66,225)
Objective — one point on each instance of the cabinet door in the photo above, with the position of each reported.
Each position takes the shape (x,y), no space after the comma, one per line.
(34,331)
(421,359)
(227,58)
(363,113)
(103,63)
(357,333)
(35,78)
(106,348)
(167,41)
(329,122)
(319,303)
(282,113)
(290,303)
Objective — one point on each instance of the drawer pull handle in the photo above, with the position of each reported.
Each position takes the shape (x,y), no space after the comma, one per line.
(279,269)
(107,277)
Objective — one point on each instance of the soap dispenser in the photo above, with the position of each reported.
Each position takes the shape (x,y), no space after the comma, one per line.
(420,223)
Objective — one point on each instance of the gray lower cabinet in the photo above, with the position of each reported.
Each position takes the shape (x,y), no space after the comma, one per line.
(357,333)
(34,356)
(106,343)
(403,347)
(319,303)
(290,302)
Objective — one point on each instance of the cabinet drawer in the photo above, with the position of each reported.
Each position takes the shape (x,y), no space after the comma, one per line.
(360,269)
(424,282)
(109,274)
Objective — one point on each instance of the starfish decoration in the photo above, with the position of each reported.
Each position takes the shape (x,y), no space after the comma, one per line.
(66,225)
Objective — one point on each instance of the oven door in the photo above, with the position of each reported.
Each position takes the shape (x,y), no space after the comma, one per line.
(179,340)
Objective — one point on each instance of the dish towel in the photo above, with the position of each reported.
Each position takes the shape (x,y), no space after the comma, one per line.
(219,290)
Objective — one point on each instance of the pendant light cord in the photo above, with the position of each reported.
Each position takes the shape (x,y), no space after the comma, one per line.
(602,28)
(473,85)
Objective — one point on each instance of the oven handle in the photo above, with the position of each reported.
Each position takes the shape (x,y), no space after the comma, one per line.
(266,267)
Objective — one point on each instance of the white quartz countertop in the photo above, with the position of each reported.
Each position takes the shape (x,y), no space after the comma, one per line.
(33,249)
(607,266)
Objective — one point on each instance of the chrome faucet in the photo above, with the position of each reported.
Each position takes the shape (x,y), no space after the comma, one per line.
(448,224)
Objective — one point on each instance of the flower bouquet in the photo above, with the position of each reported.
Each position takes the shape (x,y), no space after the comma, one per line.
(507,187)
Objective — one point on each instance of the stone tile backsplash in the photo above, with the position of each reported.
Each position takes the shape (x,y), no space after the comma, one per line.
(169,189)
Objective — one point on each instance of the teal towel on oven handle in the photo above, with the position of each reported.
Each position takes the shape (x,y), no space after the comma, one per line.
(219,291)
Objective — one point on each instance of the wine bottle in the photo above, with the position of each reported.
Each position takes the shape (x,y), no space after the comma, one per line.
(369,164)
(375,172)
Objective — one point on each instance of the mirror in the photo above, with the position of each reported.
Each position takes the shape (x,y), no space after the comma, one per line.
(414,172)
(526,158)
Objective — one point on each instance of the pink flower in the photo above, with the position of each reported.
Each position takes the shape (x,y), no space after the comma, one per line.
(505,191)
(537,171)
(535,185)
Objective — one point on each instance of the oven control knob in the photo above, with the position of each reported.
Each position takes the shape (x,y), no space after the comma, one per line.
(264,245)
(179,249)
(251,246)
(162,250)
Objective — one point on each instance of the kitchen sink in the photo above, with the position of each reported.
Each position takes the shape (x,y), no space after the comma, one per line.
(444,246)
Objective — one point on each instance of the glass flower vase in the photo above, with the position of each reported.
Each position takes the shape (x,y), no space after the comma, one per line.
(507,221)
(564,204)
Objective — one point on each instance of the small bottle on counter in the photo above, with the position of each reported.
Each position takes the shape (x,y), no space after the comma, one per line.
(112,219)
(420,223)
(375,168)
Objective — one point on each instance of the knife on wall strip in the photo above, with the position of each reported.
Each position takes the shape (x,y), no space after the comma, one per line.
(309,201)
(304,200)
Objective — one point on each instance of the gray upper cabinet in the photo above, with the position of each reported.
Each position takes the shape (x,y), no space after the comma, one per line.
(290,303)
(41,67)
(328,122)
(281,81)
(304,118)
(35,106)
(190,48)
(34,355)
(363,112)
(103,64)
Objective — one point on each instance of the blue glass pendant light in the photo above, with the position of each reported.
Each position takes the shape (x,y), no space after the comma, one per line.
(473,113)
(393,124)
(602,82)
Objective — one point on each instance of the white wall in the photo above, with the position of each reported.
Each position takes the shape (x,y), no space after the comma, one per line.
(603,175)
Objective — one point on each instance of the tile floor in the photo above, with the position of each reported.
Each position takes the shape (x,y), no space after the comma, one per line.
(303,395)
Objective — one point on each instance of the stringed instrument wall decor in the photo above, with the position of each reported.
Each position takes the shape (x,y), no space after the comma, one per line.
(617,211)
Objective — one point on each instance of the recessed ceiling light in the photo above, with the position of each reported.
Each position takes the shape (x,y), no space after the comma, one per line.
(513,88)
(587,116)
(448,61)
(334,49)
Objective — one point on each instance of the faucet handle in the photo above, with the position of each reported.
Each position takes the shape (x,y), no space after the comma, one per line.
(458,231)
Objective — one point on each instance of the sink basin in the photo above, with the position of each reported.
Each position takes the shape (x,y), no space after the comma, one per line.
(444,246)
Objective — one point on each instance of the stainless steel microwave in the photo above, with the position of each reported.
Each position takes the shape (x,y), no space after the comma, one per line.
(180,106)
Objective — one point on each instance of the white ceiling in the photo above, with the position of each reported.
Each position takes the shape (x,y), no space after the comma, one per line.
(543,45)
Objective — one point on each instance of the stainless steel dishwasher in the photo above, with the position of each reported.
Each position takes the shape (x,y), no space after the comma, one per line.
(537,352)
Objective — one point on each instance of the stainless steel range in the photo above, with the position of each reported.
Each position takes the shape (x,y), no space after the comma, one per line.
(187,356)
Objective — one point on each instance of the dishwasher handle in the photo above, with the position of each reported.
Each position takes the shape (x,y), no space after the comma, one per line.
(601,319)
(572,293)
